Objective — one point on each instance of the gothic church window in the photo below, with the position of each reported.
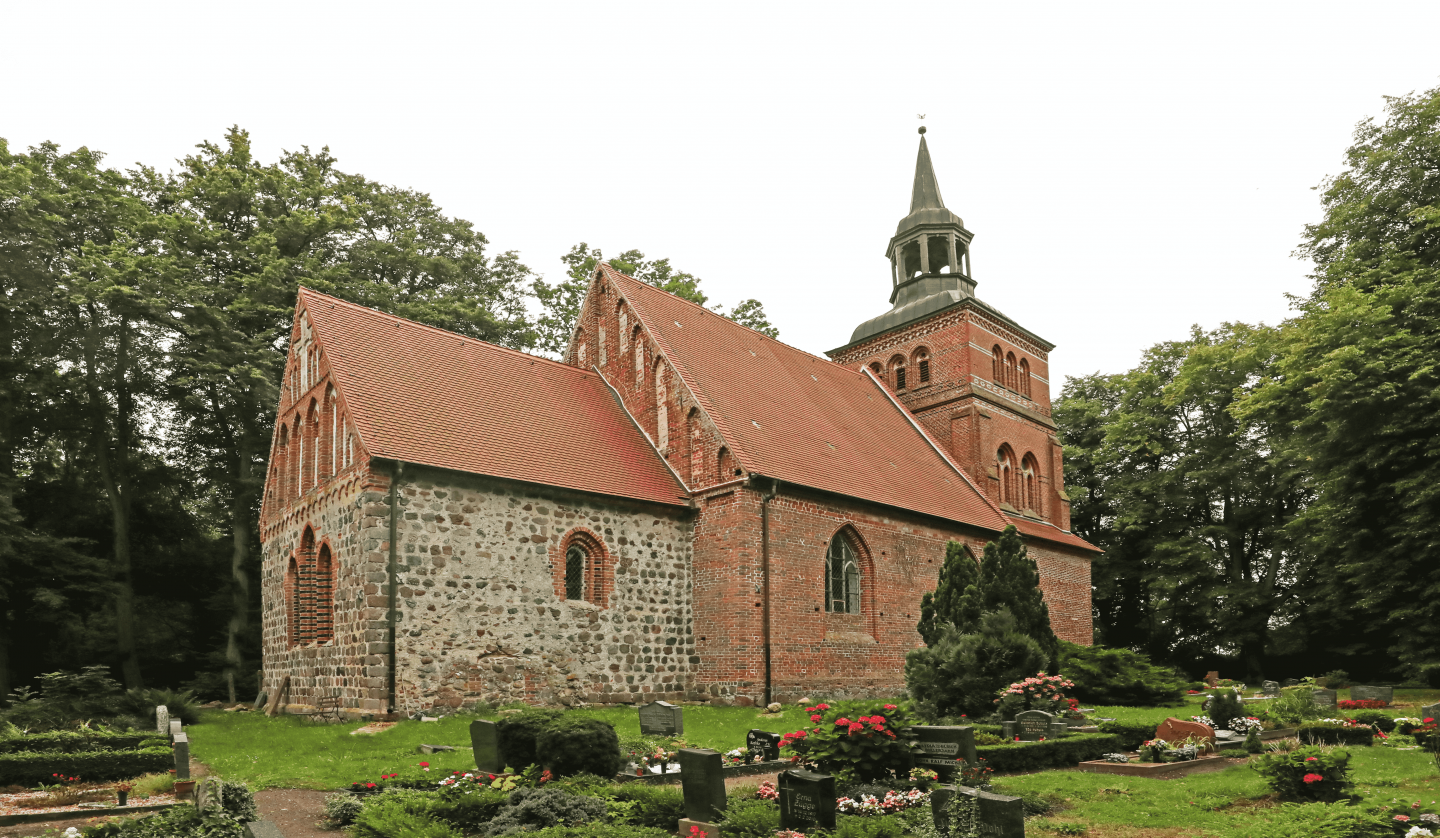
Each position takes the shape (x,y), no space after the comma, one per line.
(575,572)
(1030,474)
(842,577)
(585,575)
(1025,377)
(1005,470)
(997,366)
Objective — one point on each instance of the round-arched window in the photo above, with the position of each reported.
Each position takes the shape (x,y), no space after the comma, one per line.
(575,572)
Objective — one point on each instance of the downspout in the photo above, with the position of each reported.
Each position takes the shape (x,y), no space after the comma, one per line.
(765,499)
(392,573)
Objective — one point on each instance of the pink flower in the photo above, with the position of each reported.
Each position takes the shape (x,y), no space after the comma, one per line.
(842,722)
(1402,818)
(891,707)
(815,718)
(1311,759)
(1312,778)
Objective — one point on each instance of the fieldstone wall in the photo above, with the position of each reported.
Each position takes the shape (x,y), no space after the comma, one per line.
(482,618)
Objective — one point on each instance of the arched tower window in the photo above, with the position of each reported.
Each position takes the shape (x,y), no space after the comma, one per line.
(1025,378)
(1030,476)
(1010,371)
(324,596)
(997,368)
(297,460)
(842,577)
(921,361)
(1005,470)
(282,462)
(897,372)
(305,588)
(624,320)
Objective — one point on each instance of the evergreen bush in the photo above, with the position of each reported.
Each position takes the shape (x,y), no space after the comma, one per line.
(961,673)
(26,768)
(579,746)
(1119,677)
(518,732)
(1375,718)
(1332,733)
(76,741)
(660,807)
(1225,706)
(1253,745)
(1064,752)
(528,809)
(466,807)
(1131,734)
(341,810)
(1293,706)
(602,830)
(749,818)
(956,600)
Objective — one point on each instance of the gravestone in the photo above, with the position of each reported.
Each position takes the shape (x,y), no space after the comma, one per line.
(702,782)
(807,799)
(1212,678)
(939,746)
(1430,711)
(998,815)
(206,793)
(1269,688)
(182,756)
(661,718)
(1033,725)
(485,739)
(1385,694)
(162,719)
(1288,682)
(1178,730)
(1324,699)
(763,744)
(1007,729)
(175,727)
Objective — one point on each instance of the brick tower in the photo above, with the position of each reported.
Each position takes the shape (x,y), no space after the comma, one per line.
(976,379)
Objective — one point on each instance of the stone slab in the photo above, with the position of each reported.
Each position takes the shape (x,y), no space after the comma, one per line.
(262,829)
(1034,725)
(1360,693)
(1430,711)
(661,718)
(939,746)
(997,815)
(485,741)
(764,743)
(807,800)
(702,782)
(1323,698)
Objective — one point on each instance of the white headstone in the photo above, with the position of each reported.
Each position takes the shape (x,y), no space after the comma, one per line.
(162,719)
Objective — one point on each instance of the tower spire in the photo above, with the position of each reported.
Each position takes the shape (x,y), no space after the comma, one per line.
(925,194)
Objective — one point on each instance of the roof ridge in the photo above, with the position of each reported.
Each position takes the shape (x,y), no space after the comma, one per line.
(311,292)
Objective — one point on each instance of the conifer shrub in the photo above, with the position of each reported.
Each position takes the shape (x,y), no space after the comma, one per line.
(1225,706)
(749,818)
(1375,718)
(518,732)
(1119,677)
(660,807)
(1253,745)
(529,809)
(961,673)
(572,746)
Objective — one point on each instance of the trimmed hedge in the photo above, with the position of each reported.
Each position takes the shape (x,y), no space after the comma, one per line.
(28,768)
(1051,753)
(1132,735)
(74,741)
(1320,733)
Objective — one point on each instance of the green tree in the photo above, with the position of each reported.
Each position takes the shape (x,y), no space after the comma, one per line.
(1357,381)
(1010,580)
(1189,500)
(560,303)
(961,673)
(956,600)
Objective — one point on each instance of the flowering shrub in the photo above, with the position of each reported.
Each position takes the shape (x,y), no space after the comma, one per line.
(1362,704)
(1244,724)
(1306,774)
(975,776)
(864,749)
(1204,720)
(1041,692)
(894,801)
(767,791)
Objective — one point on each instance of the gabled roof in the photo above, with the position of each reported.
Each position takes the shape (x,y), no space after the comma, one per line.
(435,398)
(802,419)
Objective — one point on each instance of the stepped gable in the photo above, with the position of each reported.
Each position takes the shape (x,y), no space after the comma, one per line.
(802,419)
(431,397)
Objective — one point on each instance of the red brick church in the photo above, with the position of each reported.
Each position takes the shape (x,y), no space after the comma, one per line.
(682,509)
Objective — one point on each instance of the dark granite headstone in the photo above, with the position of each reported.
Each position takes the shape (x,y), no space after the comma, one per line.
(807,799)
(661,718)
(939,747)
(1269,688)
(1032,725)
(1324,699)
(997,815)
(1430,711)
(702,781)
(1385,694)
(485,739)
(763,743)
(182,756)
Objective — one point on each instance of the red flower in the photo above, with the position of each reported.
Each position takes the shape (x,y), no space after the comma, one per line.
(424,765)
(879,720)
(1402,818)
(1312,778)
(369,785)
(1312,759)
(891,707)
(856,727)
(816,718)
(842,722)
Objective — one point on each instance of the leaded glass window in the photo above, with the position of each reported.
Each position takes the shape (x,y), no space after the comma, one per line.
(842,578)
(575,572)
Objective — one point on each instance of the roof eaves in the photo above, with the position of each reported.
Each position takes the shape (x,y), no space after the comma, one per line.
(934,446)
(964,302)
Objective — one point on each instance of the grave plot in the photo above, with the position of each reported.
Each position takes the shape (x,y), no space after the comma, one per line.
(1179,747)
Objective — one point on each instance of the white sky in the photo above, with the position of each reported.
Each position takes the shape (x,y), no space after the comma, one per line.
(1128,169)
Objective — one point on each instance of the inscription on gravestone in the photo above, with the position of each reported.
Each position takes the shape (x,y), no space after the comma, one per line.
(702,782)
(763,743)
(938,747)
(661,718)
(1269,688)
(485,739)
(1323,698)
(1033,724)
(1385,694)
(996,815)
(807,800)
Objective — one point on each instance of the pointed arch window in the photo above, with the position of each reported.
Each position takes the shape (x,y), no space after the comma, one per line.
(324,596)
(282,462)
(292,601)
(1030,478)
(584,572)
(1005,470)
(997,365)
(842,577)
(897,372)
(1025,378)
(575,572)
(639,365)
(1010,371)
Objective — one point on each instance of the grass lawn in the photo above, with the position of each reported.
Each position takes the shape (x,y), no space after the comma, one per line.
(289,752)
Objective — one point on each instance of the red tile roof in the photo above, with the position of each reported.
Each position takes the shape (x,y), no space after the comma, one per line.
(1040,529)
(803,419)
(435,398)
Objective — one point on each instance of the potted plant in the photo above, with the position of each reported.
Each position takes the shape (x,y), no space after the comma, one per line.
(122,793)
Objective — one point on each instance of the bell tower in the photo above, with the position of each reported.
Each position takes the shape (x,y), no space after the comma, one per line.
(975,378)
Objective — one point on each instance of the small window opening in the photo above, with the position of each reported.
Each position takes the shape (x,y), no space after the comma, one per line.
(910,260)
(575,572)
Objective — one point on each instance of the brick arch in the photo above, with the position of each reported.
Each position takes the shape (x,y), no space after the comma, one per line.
(690,448)
(1006,469)
(997,365)
(897,372)
(724,465)
(279,466)
(1025,378)
(292,601)
(920,364)
(1030,483)
(304,609)
(582,348)
(324,604)
(598,573)
(865,564)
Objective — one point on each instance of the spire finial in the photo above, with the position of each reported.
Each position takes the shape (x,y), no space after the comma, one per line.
(926,192)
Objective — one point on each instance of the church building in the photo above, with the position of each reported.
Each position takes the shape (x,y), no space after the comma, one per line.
(681,509)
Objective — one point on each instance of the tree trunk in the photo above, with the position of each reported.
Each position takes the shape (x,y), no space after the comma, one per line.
(115,479)
(240,507)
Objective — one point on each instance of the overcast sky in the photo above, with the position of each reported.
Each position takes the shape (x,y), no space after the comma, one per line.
(1127,169)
